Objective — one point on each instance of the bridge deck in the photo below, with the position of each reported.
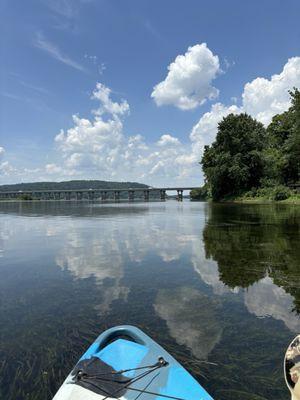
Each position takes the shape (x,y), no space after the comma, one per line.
(150,189)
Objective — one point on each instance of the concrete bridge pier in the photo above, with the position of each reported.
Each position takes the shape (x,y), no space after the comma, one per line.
(179,194)
(117,195)
(162,195)
(131,195)
(103,196)
(146,195)
(78,195)
(91,195)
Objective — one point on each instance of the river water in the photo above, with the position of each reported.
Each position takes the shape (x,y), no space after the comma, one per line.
(217,285)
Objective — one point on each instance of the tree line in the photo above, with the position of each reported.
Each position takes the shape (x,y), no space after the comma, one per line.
(71,185)
(250,160)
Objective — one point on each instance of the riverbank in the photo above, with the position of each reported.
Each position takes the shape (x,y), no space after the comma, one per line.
(295,200)
(267,196)
(278,195)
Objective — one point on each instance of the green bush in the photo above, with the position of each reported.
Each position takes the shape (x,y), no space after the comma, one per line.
(251,193)
(25,197)
(281,193)
(203,193)
(277,193)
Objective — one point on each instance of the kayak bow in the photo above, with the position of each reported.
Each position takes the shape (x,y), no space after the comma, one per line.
(124,363)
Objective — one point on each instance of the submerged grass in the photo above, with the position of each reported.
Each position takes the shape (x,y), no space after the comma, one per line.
(49,318)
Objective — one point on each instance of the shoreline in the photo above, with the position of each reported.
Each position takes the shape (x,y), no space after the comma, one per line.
(259,201)
(263,201)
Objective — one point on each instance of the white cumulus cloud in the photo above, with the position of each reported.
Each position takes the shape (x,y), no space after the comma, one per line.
(188,82)
(204,132)
(262,98)
(5,167)
(2,151)
(53,169)
(168,140)
(103,94)
(100,147)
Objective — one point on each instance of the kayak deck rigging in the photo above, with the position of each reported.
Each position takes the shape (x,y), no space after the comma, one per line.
(83,376)
(124,363)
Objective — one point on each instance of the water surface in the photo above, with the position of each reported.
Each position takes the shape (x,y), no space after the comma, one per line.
(217,285)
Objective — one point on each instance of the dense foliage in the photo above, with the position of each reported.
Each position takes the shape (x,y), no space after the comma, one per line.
(234,162)
(71,185)
(202,193)
(246,157)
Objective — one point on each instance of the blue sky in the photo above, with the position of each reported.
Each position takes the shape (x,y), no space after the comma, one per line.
(54,52)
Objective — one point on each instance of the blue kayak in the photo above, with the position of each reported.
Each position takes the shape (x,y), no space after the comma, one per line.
(124,363)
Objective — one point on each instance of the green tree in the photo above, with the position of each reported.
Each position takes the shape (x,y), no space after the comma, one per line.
(282,156)
(292,148)
(234,162)
(278,132)
(202,193)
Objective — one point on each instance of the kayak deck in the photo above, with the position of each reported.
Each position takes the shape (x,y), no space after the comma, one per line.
(125,363)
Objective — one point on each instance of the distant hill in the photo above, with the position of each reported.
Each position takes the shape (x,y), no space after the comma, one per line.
(71,185)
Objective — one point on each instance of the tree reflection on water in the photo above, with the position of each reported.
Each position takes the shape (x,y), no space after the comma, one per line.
(250,243)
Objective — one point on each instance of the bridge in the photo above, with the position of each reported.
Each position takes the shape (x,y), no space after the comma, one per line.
(95,194)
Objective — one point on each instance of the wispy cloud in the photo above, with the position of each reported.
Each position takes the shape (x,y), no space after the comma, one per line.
(152,30)
(42,43)
(34,88)
(65,8)
(66,13)
(38,104)
(11,96)
(101,67)
(18,78)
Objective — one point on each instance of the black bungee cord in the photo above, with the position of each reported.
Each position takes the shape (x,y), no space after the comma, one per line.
(159,364)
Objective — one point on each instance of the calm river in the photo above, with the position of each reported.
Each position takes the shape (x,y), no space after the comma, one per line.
(217,285)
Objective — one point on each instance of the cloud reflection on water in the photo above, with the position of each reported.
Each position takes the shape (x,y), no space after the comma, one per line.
(102,247)
(191,318)
(265,299)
